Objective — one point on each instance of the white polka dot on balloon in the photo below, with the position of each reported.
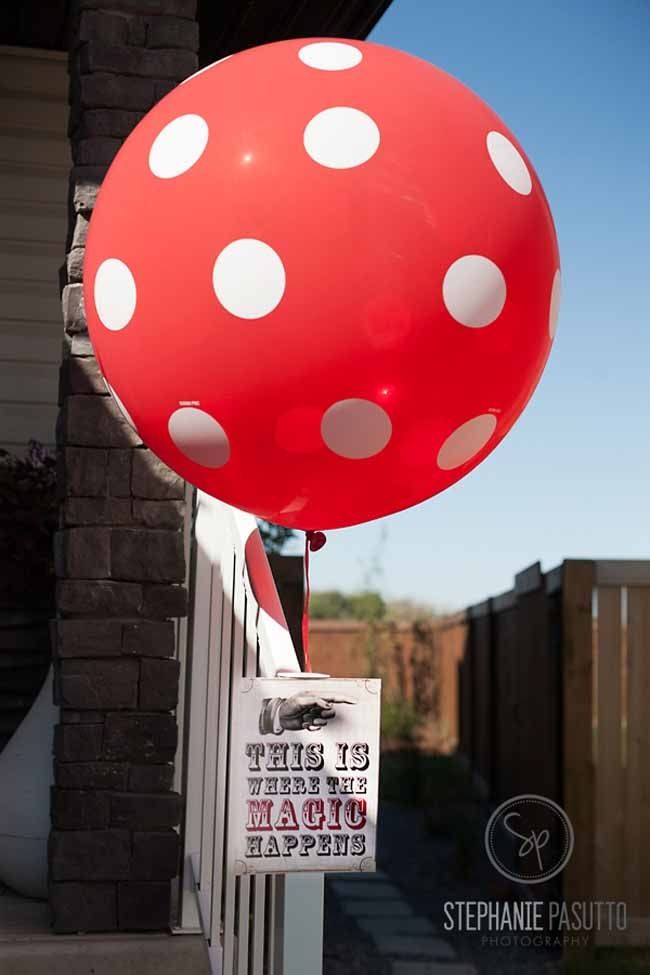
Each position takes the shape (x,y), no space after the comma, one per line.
(341,138)
(178,146)
(474,291)
(330,56)
(356,428)
(466,441)
(208,67)
(554,309)
(115,294)
(199,436)
(249,278)
(509,163)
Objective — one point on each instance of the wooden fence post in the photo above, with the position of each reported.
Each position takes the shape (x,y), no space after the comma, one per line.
(465,695)
(612,830)
(637,798)
(483,702)
(579,778)
(289,581)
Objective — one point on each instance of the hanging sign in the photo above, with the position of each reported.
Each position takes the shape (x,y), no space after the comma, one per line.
(304,775)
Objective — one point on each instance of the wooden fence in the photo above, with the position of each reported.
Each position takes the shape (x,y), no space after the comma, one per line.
(544,689)
(510,688)
(554,692)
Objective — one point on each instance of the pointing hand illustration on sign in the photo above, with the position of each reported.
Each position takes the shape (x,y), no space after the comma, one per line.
(302,712)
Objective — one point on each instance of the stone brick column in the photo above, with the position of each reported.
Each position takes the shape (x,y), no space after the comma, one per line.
(119,552)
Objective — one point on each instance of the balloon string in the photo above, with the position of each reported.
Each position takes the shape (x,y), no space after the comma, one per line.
(305,612)
(313,541)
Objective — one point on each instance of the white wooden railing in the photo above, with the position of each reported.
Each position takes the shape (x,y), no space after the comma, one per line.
(267,925)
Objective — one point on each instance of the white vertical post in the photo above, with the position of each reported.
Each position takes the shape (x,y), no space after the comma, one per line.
(301,948)
(184,905)
(189,767)
(223,885)
(211,710)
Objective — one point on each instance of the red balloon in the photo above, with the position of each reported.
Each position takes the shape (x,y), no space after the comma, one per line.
(323,279)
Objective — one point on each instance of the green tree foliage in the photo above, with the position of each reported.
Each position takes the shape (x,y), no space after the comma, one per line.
(367,606)
(275,537)
(334,605)
(410,610)
(331,604)
(399,720)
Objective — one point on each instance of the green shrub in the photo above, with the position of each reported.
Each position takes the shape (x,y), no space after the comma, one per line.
(331,604)
(398,776)
(399,721)
(446,780)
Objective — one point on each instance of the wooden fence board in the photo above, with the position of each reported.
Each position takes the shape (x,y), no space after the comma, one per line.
(450,643)
(508,713)
(640,633)
(637,819)
(554,636)
(636,934)
(538,694)
(466,700)
(482,696)
(610,878)
(578,716)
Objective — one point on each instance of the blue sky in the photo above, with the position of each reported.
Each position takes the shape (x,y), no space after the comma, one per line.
(572,81)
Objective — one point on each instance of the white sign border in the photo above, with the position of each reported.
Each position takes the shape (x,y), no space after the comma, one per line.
(241,685)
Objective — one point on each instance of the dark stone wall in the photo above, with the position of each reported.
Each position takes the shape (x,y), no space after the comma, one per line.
(119,552)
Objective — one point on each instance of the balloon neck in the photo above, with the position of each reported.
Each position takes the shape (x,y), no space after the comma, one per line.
(315,540)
